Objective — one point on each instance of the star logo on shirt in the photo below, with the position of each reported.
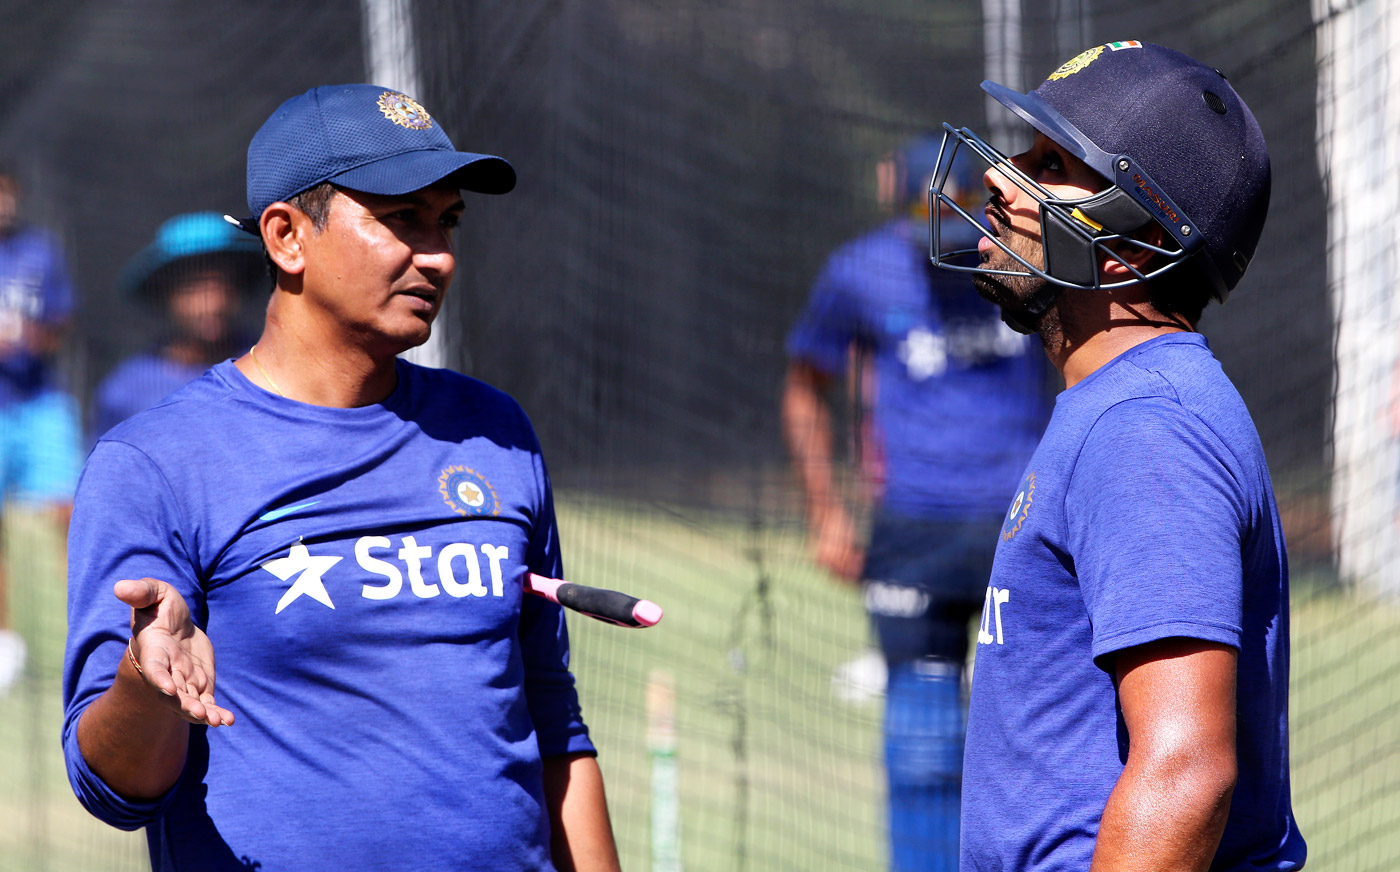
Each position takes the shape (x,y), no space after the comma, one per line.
(308,571)
(924,353)
(470,494)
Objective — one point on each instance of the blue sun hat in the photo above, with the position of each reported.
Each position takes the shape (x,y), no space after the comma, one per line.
(362,137)
(188,243)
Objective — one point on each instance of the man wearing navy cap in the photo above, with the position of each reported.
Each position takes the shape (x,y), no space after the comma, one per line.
(347,532)
(1129,705)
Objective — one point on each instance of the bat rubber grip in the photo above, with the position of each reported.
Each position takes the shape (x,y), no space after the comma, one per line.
(609,605)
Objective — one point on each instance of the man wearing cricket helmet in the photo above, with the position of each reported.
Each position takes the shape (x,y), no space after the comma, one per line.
(1129,706)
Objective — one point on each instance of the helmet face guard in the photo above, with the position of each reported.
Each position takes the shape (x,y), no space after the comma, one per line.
(1177,148)
(1076,234)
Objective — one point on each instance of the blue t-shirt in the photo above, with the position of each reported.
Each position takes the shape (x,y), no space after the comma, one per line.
(136,384)
(34,289)
(959,397)
(358,572)
(1146,513)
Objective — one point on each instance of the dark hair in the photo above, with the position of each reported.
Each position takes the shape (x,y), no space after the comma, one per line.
(316,204)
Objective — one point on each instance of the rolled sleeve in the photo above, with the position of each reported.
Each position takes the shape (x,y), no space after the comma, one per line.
(94,794)
(125,525)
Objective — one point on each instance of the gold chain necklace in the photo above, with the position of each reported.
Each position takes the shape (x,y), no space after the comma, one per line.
(254,357)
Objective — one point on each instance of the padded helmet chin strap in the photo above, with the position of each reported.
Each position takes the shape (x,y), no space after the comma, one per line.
(1021,322)
(1071,254)
(1069,236)
(1026,319)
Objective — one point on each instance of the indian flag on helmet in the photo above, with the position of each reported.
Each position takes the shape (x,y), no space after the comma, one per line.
(1127,43)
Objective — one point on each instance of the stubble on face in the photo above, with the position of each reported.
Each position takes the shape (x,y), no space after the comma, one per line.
(1010,292)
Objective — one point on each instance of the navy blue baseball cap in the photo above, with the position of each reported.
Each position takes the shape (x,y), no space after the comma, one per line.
(1173,133)
(362,137)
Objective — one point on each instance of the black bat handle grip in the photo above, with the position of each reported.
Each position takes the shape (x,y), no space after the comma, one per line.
(596,602)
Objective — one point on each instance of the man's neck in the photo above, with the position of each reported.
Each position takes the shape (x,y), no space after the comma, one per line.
(1082,333)
(303,365)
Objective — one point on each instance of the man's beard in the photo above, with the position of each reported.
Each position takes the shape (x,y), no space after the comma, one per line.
(1015,295)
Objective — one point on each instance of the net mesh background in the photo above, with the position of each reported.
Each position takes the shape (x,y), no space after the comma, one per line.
(685,168)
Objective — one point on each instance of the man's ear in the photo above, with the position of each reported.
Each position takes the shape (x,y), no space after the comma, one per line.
(1141,258)
(284,229)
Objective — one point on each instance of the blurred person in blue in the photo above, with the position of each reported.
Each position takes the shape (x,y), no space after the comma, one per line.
(39,430)
(196,273)
(949,404)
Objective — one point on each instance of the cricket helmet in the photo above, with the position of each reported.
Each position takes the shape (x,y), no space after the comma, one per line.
(1175,144)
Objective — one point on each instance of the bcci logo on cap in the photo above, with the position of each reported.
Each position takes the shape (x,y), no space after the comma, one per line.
(1083,59)
(404,111)
(467,492)
(1076,63)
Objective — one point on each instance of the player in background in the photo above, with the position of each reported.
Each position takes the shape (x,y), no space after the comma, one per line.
(346,532)
(1130,699)
(951,403)
(194,275)
(39,432)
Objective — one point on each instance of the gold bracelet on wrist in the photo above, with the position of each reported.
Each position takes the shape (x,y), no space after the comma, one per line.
(131,655)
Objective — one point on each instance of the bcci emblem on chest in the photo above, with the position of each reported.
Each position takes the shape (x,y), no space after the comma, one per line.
(467,492)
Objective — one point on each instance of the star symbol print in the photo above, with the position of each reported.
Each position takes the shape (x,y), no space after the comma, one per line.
(308,570)
(471,494)
(924,352)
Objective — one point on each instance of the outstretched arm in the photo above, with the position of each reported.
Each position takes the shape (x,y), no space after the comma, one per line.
(582,837)
(136,733)
(1170,805)
(807,427)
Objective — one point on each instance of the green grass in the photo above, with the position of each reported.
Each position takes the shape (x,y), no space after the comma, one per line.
(775,773)
(42,826)
(1345,728)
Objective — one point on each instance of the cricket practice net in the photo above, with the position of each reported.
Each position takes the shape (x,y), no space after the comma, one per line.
(685,167)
